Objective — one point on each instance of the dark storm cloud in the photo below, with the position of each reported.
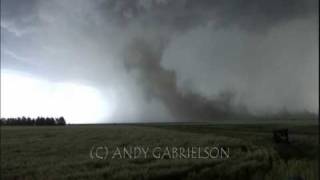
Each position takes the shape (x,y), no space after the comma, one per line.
(145,54)
(19,16)
(17,8)
(191,59)
(185,14)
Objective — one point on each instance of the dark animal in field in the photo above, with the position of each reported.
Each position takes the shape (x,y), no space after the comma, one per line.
(281,136)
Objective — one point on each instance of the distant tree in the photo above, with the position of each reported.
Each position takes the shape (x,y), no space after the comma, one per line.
(39,121)
(23,121)
(61,121)
(9,121)
(50,121)
(18,121)
(29,121)
(3,121)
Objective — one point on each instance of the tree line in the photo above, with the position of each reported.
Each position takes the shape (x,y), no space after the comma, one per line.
(33,121)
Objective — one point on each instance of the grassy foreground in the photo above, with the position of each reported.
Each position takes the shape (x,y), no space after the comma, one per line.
(64,152)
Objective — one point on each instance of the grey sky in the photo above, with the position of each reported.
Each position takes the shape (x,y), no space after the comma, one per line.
(264,51)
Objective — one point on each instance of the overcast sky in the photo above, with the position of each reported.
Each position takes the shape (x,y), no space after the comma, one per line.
(265,52)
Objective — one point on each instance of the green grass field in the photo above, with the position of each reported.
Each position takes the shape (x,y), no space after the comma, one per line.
(64,152)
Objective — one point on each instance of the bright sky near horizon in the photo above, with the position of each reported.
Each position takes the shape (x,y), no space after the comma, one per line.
(25,95)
